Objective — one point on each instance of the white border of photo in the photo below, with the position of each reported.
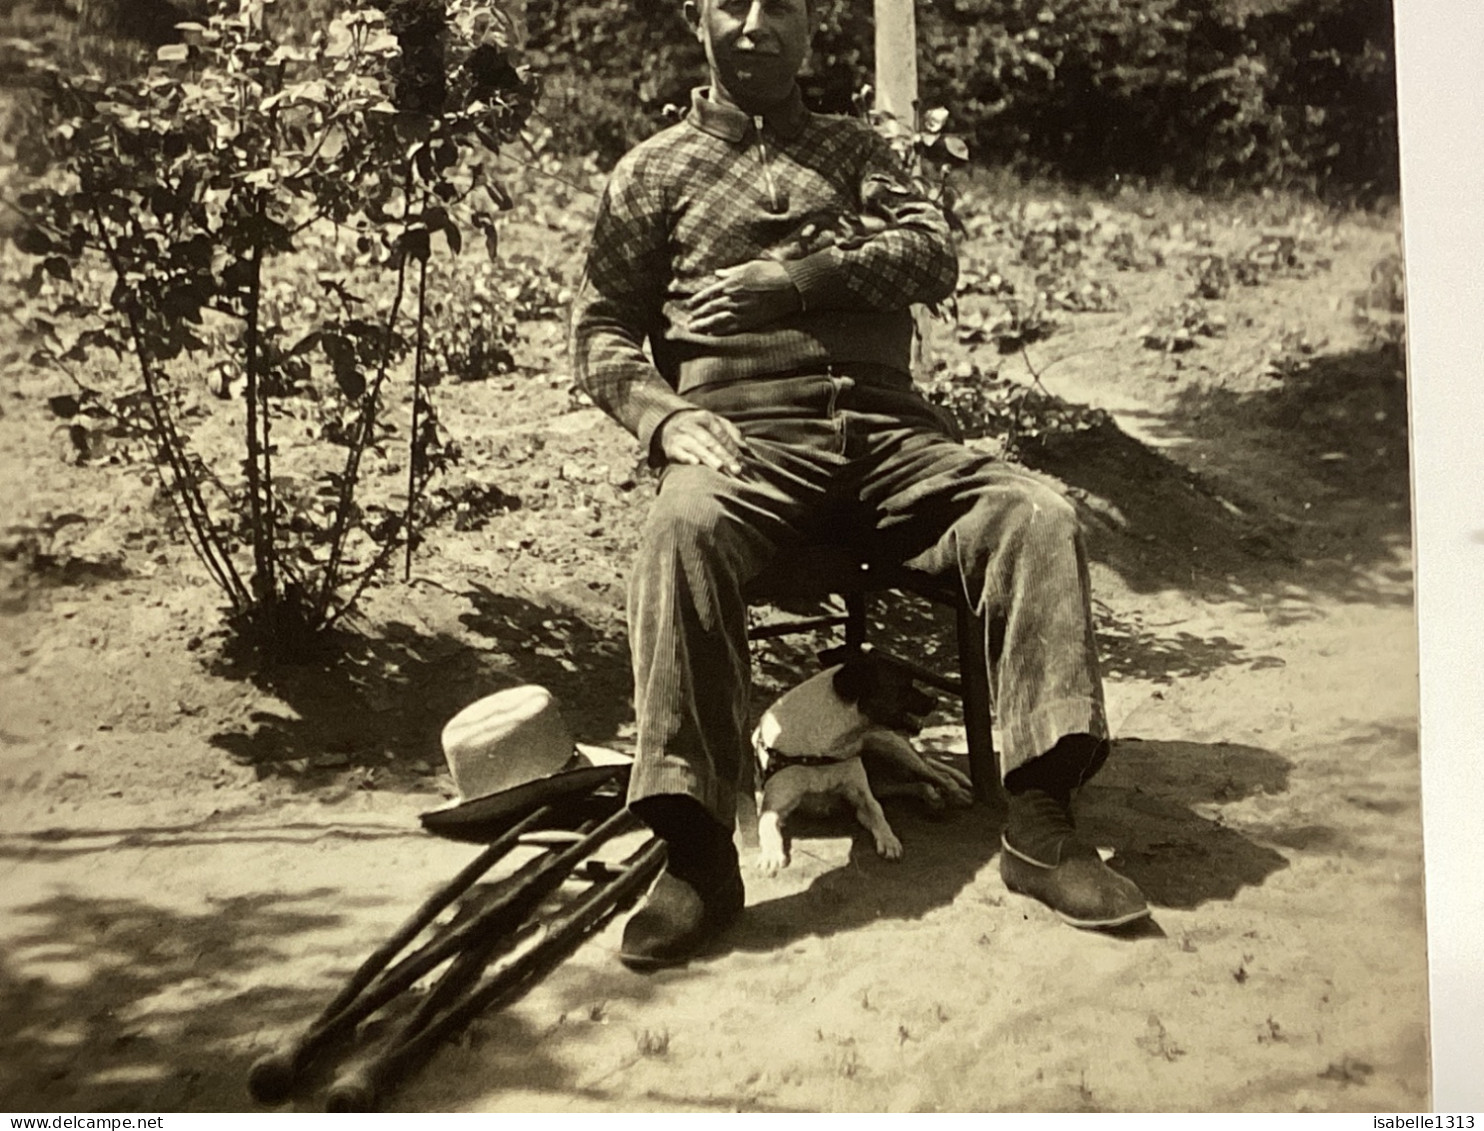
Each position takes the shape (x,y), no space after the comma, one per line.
(1440,62)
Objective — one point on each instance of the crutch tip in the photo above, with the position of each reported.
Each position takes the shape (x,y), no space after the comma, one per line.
(271,1079)
(351,1093)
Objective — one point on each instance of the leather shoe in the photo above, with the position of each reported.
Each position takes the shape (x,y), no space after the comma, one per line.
(679,919)
(1077,885)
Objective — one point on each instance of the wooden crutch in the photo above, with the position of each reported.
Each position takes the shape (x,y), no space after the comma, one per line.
(358,1088)
(272,1078)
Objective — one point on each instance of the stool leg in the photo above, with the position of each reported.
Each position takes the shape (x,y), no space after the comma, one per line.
(973,667)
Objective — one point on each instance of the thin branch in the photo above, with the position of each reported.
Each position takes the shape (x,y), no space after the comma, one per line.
(206,543)
(413,443)
(363,580)
(340,527)
(262,550)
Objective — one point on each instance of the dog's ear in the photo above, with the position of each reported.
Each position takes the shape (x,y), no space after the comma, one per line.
(856,679)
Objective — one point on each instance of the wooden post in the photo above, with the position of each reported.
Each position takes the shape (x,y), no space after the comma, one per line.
(896,60)
(896,94)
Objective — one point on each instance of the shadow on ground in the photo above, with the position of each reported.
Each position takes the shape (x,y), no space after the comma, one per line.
(370,714)
(122,1007)
(125,1005)
(1299,489)
(911,627)
(1143,804)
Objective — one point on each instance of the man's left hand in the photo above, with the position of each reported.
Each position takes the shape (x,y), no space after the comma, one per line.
(742,298)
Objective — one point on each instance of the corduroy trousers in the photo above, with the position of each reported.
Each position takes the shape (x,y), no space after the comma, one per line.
(868,464)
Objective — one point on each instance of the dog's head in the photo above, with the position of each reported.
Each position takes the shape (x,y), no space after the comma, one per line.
(882,690)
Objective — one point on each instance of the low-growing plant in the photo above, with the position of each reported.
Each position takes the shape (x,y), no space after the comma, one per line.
(1176,329)
(983,404)
(1281,254)
(1079,294)
(979,276)
(1015,325)
(471,332)
(194,188)
(1214,275)
(1128,251)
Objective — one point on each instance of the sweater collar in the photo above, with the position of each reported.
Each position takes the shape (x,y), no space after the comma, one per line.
(728,123)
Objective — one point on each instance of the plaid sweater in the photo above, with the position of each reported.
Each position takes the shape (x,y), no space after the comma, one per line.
(823,195)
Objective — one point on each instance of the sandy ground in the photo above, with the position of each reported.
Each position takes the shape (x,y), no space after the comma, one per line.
(194,851)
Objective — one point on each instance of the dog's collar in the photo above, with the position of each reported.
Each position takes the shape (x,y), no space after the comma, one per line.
(777,760)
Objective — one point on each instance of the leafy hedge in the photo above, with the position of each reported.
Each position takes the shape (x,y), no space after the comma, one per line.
(1203,93)
(1194,92)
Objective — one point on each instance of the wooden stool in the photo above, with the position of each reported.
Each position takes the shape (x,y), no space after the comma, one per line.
(816,572)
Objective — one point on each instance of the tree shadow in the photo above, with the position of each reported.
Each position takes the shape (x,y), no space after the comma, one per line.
(1302,491)
(137,1008)
(369,713)
(583,662)
(1129,649)
(514,1050)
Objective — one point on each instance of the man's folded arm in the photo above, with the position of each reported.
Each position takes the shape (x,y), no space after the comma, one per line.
(617,302)
(910,260)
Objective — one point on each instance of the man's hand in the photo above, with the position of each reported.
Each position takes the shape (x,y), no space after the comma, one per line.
(743,298)
(697,435)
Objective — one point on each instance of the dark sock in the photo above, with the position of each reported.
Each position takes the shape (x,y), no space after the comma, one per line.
(700,850)
(1039,821)
(1061,769)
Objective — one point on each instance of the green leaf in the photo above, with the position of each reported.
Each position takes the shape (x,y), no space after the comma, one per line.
(173,53)
(57,267)
(956,147)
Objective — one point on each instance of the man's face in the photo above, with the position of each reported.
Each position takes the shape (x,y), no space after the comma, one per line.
(755,47)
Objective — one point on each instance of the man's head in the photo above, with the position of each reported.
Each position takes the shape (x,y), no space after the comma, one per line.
(755,47)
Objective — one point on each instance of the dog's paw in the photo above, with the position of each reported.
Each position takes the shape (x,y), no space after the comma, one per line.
(888,847)
(932,797)
(770,862)
(959,795)
(952,782)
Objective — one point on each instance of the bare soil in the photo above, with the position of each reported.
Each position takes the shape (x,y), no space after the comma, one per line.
(195,850)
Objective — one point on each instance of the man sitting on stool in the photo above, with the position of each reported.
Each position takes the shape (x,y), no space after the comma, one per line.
(778,401)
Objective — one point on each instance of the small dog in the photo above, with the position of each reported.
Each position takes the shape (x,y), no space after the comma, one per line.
(810,742)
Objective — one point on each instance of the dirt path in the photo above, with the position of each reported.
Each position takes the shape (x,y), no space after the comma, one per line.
(194,853)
